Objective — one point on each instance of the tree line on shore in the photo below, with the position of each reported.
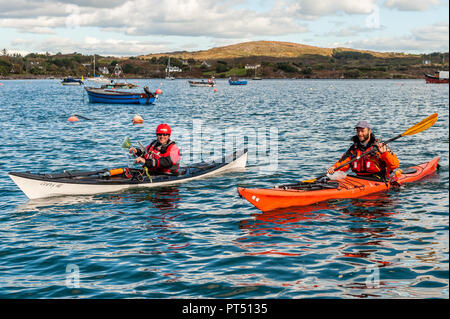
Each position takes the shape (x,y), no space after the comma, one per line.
(341,64)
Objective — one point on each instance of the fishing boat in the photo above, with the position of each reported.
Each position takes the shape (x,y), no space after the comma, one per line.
(121,85)
(439,77)
(98,95)
(203,83)
(233,80)
(71,81)
(107,181)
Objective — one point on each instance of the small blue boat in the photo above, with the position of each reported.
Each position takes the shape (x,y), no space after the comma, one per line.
(97,95)
(235,81)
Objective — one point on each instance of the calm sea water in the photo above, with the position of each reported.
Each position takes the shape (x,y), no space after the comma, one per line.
(200,239)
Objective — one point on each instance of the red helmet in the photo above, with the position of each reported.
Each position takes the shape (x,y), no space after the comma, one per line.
(163,129)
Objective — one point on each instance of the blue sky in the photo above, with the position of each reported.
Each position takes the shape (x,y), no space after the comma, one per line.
(135,27)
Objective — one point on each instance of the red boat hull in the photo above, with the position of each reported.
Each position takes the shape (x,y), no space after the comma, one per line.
(433,79)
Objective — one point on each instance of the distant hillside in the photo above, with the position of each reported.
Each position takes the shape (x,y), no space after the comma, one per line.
(262,59)
(273,49)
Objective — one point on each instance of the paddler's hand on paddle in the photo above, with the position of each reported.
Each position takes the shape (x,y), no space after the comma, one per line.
(140,160)
(330,171)
(132,150)
(381,147)
(150,162)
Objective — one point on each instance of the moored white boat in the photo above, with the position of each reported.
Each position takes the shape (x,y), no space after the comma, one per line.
(99,80)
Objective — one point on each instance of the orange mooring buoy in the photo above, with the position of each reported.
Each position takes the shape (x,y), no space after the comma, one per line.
(158,91)
(137,119)
(73,118)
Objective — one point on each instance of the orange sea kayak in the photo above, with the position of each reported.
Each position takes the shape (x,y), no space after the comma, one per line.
(347,187)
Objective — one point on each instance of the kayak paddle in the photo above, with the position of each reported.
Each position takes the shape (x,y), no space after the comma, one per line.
(83,117)
(126,143)
(419,127)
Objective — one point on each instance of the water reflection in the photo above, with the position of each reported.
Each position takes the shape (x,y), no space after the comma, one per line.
(283,219)
(281,232)
(362,224)
(62,201)
(164,199)
(369,208)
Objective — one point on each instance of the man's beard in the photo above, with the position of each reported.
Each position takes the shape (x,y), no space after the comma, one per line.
(365,138)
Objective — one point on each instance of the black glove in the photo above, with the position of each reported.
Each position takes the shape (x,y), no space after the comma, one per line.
(151,163)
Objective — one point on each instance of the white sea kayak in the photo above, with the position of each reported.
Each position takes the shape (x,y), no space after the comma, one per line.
(88,183)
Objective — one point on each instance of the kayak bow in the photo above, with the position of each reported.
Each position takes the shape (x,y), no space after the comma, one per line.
(347,187)
(97,182)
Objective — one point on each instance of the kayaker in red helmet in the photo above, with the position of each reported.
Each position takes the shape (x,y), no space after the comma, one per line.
(379,163)
(162,155)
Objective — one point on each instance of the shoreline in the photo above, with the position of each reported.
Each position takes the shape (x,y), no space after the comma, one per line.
(9,78)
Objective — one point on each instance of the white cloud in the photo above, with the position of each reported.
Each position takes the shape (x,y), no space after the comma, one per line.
(91,45)
(50,8)
(149,17)
(421,40)
(314,9)
(437,33)
(44,25)
(411,5)
(227,21)
(353,30)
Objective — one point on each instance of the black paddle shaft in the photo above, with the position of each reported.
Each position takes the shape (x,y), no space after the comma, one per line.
(83,117)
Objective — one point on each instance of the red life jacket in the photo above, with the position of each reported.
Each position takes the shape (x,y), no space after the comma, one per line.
(369,164)
(164,151)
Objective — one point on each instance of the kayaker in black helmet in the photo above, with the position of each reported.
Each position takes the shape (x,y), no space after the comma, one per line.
(379,163)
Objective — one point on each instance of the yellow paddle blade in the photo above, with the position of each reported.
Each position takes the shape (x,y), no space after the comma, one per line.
(126,143)
(422,125)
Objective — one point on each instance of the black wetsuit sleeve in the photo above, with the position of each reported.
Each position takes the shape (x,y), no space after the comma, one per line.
(165,162)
